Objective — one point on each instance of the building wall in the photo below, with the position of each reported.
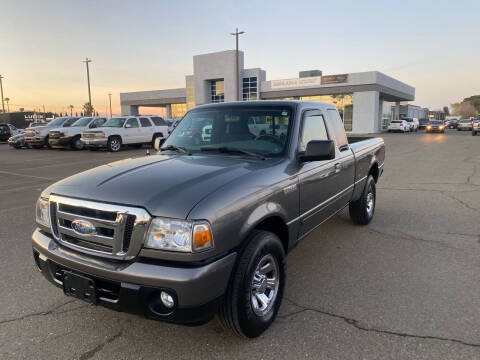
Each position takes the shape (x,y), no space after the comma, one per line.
(220,65)
(365,112)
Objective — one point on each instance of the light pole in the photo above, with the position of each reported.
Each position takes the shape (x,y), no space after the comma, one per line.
(1,91)
(87,60)
(110,97)
(236,33)
(8,106)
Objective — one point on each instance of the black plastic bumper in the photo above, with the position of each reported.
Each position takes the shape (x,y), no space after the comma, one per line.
(60,142)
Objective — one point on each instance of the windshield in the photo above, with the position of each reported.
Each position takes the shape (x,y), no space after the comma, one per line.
(436,122)
(58,121)
(82,122)
(261,130)
(114,122)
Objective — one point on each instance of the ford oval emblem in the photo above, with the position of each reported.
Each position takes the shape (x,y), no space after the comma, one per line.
(83,227)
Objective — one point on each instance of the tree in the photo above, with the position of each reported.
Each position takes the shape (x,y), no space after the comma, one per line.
(76,113)
(88,109)
(465,109)
(475,101)
(71,109)
(446,110)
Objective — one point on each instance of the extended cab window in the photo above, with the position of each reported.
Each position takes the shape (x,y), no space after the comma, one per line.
(98,122)
(338,131)
(145,122)
(313,128)
(69,122)
(132,122)
(158,121)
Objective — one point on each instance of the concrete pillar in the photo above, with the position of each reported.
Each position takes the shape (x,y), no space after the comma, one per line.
(168,111)
(129,109)
(397,110)
(365,112)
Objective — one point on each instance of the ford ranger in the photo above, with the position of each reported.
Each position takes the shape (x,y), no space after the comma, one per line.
(204,228)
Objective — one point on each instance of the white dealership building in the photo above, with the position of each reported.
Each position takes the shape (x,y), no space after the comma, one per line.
(364,99)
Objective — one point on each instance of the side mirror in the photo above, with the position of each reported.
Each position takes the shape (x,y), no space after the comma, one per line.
(128,126)
(318,150)
(158,143)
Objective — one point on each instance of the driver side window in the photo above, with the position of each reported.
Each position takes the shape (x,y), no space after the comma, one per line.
(313,128)
(132,122)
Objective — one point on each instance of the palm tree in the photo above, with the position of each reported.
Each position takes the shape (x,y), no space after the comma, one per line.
(71,109)
(7,100)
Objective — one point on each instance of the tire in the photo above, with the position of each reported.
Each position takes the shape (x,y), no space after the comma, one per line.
(362,210)
(474,133)
(114,143)
(389,130)
(154,138)
(36,146)
(241,311)
(77,144)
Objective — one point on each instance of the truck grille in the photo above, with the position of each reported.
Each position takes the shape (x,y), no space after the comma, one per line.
(96,228)
(55,134)
(88,135)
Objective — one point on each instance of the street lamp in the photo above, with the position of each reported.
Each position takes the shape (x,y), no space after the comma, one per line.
(110,97)
(236,33)
(87,61)
(8,106)
(1,92)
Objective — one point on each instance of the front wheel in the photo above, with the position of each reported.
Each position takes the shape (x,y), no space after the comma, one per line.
(362,210)
(77,144)
(474,133)
(114,144)
(256,287)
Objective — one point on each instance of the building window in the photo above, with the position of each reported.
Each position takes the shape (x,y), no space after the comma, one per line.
(178,110)
(217,91)
(249,91)
(190,95)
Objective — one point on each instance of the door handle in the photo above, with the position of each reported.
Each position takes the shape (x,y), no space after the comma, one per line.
(338,168)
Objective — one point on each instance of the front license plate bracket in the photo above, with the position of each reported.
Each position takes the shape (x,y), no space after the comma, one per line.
(80,287)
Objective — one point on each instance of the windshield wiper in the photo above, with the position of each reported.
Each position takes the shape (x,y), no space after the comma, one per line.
(176,148)
(228,149)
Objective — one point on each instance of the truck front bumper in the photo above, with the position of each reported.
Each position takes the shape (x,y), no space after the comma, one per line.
(95,142)
(62,142)
(36,140)
(135,287)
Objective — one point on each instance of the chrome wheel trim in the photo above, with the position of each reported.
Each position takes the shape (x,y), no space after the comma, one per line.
(370,202)
(264,285)
(115,144)
(78,144)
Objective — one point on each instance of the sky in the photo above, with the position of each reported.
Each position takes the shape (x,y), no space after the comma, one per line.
(149,45)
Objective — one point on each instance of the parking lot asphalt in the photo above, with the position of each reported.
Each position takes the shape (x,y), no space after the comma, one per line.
(407,286)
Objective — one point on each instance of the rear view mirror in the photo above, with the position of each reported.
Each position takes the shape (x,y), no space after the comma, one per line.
(158,143)
(318,150)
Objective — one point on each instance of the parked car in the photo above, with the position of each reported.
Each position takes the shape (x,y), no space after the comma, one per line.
(194,229)
(465,124)
(17,141)
(70,137)
(451,124)
(422,123)
(7,131)
(398,125)
(37,123)
(475,127)
(412,123)
(258,126)
(37,137)
(125,130)
(172,124)
(435,126)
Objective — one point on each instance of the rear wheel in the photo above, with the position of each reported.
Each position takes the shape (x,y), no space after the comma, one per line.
(114,144)
(256,288)
(362,210)
(474,133)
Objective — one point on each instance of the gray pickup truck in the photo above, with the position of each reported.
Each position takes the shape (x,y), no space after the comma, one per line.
(204,227)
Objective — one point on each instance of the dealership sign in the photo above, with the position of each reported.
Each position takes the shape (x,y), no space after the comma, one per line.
(309,81)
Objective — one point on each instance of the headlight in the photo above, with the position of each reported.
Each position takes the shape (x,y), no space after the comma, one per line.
(100,135)
(65,134)
(42,213)
(441,127)
(38,132)
(178,235)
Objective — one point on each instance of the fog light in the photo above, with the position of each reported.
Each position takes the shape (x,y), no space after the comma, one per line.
(167,299)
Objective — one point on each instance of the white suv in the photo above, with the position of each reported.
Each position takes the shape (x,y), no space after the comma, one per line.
(398,125)
(70,137)
(125,130)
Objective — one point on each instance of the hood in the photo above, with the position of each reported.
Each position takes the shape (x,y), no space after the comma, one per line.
(164,185)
